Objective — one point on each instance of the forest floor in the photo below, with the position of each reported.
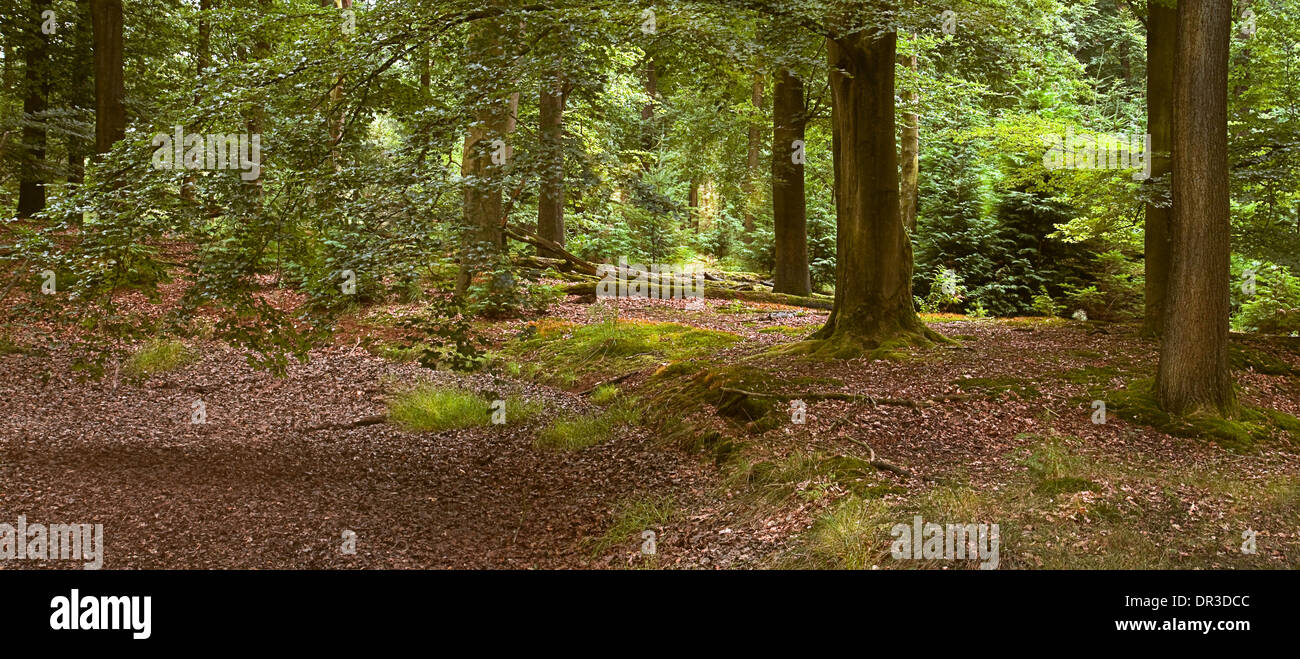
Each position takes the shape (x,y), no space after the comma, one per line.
(996,428)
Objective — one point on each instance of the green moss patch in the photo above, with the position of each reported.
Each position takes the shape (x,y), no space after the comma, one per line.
(849,345)
(779,480)
(994,386)
(1252,426)
(720,387)
(1244,357)
(787,330)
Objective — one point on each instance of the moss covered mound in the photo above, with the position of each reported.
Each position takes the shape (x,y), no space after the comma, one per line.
(568,354)
(1250,427)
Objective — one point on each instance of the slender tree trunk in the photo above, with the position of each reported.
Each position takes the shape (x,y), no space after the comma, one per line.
(255,119)
(1162,36)
(755,144)
(424,71)
(32,179)
(550,203)
(788,210)
(110,113)
(486,153)
(649,132)
(693,203)
(337,117)
(873,273)
(202,60)
(1193,372)
(1242,61)
(81,94)
(911,157)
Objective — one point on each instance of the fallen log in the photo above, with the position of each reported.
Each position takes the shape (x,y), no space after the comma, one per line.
(588,290)
(538,262)
(371,420)
(880,463)
(525,236)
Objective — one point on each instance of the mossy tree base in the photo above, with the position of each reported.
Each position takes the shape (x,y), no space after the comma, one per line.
(845,344)
(1240,432)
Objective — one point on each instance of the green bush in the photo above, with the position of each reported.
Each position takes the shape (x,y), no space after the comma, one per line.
(1274,306)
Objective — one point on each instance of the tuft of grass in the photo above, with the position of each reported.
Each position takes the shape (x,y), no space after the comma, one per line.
(631,517)
(852,536)
(573,433)
(158,356)
(428,408)
(1051,459)
(604,394)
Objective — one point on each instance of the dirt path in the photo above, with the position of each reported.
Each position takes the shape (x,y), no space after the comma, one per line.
(256,487)
(253,488)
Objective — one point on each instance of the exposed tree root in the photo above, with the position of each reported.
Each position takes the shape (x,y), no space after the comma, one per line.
(880,463)
(855,398)
(371,420)
(598,385)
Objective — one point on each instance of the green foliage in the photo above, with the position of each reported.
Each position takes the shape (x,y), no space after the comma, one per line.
(1043,304)
(604,394)
(446,337)
(946,292)
(1116,294)
(1268,302)
(497,291)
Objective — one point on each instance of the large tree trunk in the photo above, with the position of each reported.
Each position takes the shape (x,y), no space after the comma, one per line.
(873,272)
(911,158)
(110,113)
(788,210)
(755,144)
(550,203)
(31,184)
(1162,35)
(1193,372)
(649,131)
(487,137)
